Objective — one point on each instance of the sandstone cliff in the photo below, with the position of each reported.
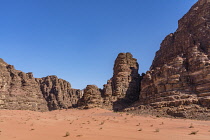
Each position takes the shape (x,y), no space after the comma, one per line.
(120,91)
(123,88)
(58,93)
(91,98)
(180,73)
(177,83)
(19,90)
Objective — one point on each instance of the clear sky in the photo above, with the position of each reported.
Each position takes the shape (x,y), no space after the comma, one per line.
(78,40)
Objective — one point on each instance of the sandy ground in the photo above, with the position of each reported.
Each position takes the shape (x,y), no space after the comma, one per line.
(96,124)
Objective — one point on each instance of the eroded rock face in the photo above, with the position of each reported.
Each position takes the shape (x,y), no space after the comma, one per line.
(120,91)
(177,84)
(125,83)
(126,78)
(19,90)
(91,98)
(58,93)
(180,73)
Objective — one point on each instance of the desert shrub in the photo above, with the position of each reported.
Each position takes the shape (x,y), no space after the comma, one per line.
(67,134)
(193,133)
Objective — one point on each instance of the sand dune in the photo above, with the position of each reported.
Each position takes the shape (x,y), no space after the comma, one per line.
(95,124)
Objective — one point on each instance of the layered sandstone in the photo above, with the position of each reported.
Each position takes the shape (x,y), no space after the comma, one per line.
(19,90)
(58,93)
(120,91)
(125,84)
(180,73)
(91,98)
(177,83)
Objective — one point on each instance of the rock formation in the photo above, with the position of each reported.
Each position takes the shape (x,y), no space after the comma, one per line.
(19,90)
(180,73)
(125,83)
(120,91)
(91,98)
(58,93)
(178,82)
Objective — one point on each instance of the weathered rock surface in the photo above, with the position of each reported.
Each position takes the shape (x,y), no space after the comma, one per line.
(58,93)
(91,98)
(19,90)
(177,83)
(125,84)
(180,73)
(120,91)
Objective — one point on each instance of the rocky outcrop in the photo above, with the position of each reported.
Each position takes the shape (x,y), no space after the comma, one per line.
(180,73)
(58,93)
(177,83)
(19,90)
(125,83)
(120,91)
(91,98)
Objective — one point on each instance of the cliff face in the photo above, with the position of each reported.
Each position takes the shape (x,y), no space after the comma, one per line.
(180,73)
(125,80)
(125,83)
(92,98)
(177,83)
(120,91)
(19,90)
(58,93)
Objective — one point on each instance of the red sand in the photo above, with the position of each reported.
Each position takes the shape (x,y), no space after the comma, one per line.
(96,124)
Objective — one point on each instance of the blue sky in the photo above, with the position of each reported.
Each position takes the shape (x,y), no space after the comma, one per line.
(78,40)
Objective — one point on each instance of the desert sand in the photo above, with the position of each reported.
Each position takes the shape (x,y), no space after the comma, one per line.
(97,124)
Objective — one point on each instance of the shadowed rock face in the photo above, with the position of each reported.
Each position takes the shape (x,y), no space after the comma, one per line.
(19,90)
(126,78)
(125,83)
(120,91)
(180,73)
